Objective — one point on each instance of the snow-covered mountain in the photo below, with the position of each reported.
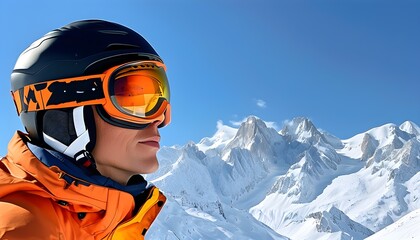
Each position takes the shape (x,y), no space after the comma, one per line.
(254,182)
(406,227)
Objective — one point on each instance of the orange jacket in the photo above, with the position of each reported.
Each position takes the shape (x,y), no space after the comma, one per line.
(36,202)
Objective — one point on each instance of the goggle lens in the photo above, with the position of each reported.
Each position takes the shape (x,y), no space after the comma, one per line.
(140,90)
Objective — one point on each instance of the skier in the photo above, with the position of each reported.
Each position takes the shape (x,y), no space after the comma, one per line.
(91,96)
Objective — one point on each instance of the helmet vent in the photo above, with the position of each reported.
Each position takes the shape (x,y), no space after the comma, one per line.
(116,32)
(119,46)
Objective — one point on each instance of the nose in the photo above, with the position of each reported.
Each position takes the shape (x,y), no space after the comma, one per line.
(157,122)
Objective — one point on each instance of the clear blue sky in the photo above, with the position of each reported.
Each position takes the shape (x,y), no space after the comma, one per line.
(347,65)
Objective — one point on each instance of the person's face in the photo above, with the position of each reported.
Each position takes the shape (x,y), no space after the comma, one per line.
(120,153)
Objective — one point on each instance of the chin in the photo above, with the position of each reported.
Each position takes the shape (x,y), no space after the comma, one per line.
(150,168)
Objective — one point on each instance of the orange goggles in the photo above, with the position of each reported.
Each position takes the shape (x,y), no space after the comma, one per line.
(136,93)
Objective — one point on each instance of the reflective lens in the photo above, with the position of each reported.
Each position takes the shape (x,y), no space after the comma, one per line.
(139,90)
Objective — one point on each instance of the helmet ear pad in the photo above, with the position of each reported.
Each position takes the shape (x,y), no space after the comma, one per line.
(70,130)
(59,124)
(32,121)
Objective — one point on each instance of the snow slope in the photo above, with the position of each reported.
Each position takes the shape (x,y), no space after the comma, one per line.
(405,228)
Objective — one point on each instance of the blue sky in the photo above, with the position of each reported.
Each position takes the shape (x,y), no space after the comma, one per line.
(347,65)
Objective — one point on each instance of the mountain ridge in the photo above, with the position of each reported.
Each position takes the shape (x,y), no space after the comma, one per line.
(281,178)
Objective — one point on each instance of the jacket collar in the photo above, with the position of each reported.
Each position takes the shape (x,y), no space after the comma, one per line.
(36,159)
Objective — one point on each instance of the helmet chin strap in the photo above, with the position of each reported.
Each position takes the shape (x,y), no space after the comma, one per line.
(71,132)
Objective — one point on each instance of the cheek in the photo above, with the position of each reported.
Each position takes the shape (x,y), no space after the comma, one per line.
(110,144)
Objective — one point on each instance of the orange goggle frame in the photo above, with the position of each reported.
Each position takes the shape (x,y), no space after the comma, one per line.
(135,92)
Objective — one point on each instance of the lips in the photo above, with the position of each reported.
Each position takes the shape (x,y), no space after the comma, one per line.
(152,141)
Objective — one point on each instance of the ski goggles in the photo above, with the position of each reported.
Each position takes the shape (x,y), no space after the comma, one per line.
(135,93)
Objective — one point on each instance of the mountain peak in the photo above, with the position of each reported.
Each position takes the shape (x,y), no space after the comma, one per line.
(253,121)
(410,128)
(391,135)
(223,136)
(299,124)
(301,129)
(263,143)
(251,130)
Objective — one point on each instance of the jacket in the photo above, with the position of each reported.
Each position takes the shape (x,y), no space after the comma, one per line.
(38,200)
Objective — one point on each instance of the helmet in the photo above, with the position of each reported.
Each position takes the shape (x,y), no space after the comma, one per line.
(77,49)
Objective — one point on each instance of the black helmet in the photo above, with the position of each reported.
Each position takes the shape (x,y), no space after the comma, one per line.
(77,49)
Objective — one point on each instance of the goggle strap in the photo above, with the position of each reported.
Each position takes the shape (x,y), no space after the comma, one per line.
(65,93)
